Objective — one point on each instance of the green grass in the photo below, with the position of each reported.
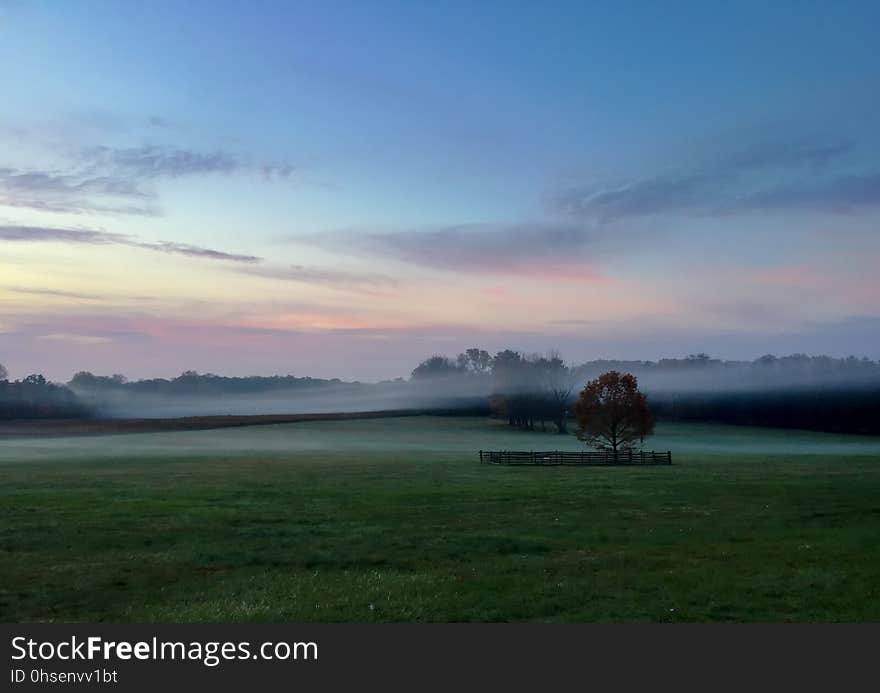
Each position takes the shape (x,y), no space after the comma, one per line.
(394,520)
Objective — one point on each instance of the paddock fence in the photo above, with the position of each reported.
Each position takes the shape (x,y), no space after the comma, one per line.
(584,457)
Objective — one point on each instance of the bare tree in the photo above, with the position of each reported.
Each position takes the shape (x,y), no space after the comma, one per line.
(558,386)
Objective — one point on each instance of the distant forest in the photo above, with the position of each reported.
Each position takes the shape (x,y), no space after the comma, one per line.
(193,383)
(798,391)
(34,397)
(529,391)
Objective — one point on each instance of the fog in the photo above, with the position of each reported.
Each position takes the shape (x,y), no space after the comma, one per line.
(125,403)
(467,382)
(701,373)
(433,438)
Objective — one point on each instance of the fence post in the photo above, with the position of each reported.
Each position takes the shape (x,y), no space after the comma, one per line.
(669,457)
(481,457)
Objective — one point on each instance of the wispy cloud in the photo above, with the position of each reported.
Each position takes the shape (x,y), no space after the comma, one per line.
(536,249)
(748,313)
(116,180)
(783,154)
(843,194)
(766,176)
(133,327)
(44,233)
(97,237)
(194,251)
(77,295)
(373,283)
(273,171)
(136,163)
(607,202)
(74,192)
(55,293)
(75,338)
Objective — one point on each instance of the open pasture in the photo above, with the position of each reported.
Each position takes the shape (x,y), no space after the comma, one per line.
(395,520)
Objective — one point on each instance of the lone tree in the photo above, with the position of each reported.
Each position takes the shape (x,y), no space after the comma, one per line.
(612,414)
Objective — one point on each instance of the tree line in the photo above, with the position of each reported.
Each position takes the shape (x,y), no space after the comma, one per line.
(192,382)
(531,391)
(526,389)
(792,368)
(34,397)
(798,391)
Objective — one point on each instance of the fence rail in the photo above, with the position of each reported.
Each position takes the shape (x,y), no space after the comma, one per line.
(585,457)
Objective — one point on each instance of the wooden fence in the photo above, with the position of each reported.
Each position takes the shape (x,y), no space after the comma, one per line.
(586,457)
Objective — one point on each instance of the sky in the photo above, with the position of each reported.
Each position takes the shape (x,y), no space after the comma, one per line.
(341,189)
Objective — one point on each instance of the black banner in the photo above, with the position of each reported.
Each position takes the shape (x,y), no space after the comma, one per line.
(276,657)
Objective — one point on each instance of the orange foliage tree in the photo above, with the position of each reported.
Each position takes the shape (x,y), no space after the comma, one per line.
(612,414)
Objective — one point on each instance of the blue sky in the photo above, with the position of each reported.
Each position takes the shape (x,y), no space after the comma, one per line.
(281,186)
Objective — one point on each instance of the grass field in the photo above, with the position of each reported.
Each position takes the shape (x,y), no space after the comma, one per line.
(394,520)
